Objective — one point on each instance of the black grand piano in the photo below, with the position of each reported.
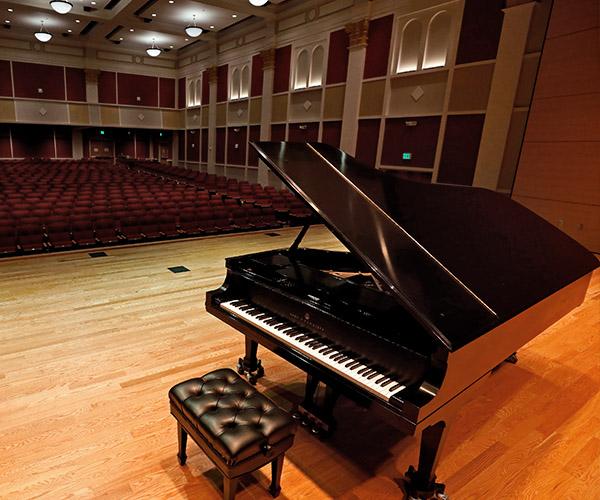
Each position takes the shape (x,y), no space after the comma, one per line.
(440,285)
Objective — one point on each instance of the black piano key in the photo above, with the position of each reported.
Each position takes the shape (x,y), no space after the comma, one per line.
(396,386)
(373,375)
(337,357)
(260,315)
(245,308)
(381,379)
(387,382)
(283,326)
(327,351)
(355,365)
(272,322)
(362,371)
(238,302)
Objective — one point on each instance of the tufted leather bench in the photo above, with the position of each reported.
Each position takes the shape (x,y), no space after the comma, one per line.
(237,427)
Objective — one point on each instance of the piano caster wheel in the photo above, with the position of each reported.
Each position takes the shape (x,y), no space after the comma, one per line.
(297,416)
(315,431)
(252,379)
(305,422)
(240,367)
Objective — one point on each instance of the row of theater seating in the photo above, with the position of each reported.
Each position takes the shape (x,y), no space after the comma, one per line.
(55,232)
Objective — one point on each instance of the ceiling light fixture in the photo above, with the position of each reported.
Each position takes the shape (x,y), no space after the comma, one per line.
(153,51)
(234,15)
(42,35)
(9,10)
(193,30)
(258,3)
(61,6)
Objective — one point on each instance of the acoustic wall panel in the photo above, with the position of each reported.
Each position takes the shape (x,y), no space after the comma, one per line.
(205,87)
(254,136)
(414,135)
(278,132)
(107,87)
(368,139)
(222,84)
(181,97)
(75,84)
(480,30)
(236,145)
(39,81)
(193,145)
(337,62)
(5,79)
(281,81)
(181,144)
(256,84)
(5,150)
(332,133)
(166,92)
(461,146)
(378,50)
(64,142)
(137,90)
(124,142)
(220,146)
(204,146)
(33,141)
(303,132)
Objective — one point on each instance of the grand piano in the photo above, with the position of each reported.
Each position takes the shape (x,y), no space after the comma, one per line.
(440,285)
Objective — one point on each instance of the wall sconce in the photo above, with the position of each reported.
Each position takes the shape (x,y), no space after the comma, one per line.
(138,99)
(40,90)
(302,127)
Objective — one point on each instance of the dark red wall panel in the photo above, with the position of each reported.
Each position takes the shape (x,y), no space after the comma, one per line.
(181,93)
(278,132)
(378,50)
(236,145)
(124,142)
(281,82)
(332,133)
(5,79)
(303,132)
(337,62)
(254,135)
(204,146)
(220,146)
(107,87)
(480,30)
(461,147)
(419,140)
(133,86)
(205,87)
(257,76)
(181,144)
(5,151)
(75,84)
(166,92)
(64,142)
(142,144)
(193,145)
(368,137)
(222,93)
(33,141)
(31,77)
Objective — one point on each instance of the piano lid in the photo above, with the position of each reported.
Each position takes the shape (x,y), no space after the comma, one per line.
(461,260)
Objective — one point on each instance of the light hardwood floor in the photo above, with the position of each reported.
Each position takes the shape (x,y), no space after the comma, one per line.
(90,347)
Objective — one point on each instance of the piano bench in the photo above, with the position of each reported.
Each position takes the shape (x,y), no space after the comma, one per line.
(238,428)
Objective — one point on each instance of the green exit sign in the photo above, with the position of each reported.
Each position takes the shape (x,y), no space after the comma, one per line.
(102,132)
(407,156)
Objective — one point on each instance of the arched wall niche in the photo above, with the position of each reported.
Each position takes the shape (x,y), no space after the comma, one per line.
(302,70)
(410,47)
(316,67)
(235,84)
(245,83)
(438,37)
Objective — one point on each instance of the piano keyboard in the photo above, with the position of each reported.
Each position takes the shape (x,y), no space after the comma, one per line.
(350,365)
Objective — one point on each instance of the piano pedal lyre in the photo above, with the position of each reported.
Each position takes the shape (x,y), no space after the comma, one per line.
(318,416)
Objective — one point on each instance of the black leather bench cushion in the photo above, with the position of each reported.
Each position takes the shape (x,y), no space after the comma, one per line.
(232,415)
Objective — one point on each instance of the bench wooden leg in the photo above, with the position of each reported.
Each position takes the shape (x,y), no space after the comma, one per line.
(182,440)
(276,469)
(230,485)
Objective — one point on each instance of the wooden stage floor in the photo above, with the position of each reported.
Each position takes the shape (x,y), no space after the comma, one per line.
(90,347)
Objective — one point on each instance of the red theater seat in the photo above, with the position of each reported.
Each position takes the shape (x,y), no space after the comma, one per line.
(83,232)
(59,234)
(8,239)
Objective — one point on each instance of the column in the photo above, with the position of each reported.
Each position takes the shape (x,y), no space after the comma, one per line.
(358,33)
(505,81)
(91,91)
(212,119)
(266,110)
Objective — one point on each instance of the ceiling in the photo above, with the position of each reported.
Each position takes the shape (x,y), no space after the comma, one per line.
(128,24)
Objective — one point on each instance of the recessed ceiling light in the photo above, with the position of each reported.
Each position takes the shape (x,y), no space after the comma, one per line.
(61,6)
(187,39)
(154,14)
(77,21)
(171,1)
(170,46)
(9,10)
(131,29)
(69,31)
(7,21)
(93,3)
(233,15)
(121,38)
(212,27)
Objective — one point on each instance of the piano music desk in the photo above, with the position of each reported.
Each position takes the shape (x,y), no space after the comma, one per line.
(90,347)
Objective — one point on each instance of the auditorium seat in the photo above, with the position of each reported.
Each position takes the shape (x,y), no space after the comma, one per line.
(8,239)
(59,235)
(30,236)
(105,230)
(130,229)
(83,232)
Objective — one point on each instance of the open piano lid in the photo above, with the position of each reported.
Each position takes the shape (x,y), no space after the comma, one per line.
(461,260)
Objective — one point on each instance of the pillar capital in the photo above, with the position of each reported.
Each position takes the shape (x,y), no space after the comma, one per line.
(212,74)
(268,58)
(358,33)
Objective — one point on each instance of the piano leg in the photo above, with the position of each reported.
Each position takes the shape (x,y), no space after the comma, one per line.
(317,415)
(250,365)
(420,484)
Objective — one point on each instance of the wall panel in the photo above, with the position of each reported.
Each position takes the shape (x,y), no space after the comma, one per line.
(64,142)
(181,96)
(204,146)
(480,30)
(257,76)
(166,92)
(75,84)
(222,85)
(137,90)
(220,145)
(419,140)
(193,145)
(303,132)
(253,136)
(205,87)
(236,145)
(281,82)
(278,132)
(368,139)
(33,141)
(378,50)
(5,79)
(29,79)
(332,133)
(5,151)
(107,87)
(337,62)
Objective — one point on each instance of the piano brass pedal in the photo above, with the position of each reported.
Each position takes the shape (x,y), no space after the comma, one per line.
(317,426)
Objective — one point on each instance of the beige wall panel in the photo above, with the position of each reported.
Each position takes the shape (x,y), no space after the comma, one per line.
(432,100)
(571,65)
(512,149)
(569,16)
(333,107)
(279,108)
(145,118)
(300,101)
(572,118)
(526,81)
(255,110)
(205,116)
(41,112)
(193,118)
(371,99)
(79,114)
(221,114)
(172,119)
(581,222)
(109,115)
(7,110)
(237,113)
(566,171)
(471,87)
